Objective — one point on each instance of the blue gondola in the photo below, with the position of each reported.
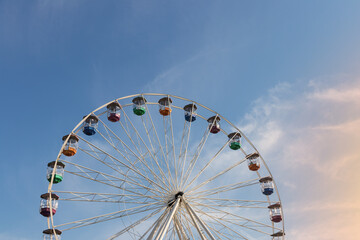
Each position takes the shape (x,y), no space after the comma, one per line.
(267,186)
(90,125)
(190,112)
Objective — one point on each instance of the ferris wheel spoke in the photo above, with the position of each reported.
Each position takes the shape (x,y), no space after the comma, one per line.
(183,148)
(110,178)
(195,218)
(132,168)
(236,219)
(108,216)
(218,175)
(97,150)
(224,188)
(218,233)
(110,165)
(145,176)
(220,221)
(226,231)
(173,233)
(169,218)
(182,234)
(127,229)
(188,225)
(229,223)
(115,145)
(157,224)
(170,146)
(102,197)
(106,179)
(194,158)
(153,138)
(142,143)
(207,165)
(193,221)
(126,148)
(178,232)
(234,203)
(140,139)
(219,230)
(220,205)
(168,233)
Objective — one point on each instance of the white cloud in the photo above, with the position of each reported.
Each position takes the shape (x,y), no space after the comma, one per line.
(345,95)
(309,137)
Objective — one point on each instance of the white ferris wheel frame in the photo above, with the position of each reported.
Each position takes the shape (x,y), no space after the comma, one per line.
(160,227)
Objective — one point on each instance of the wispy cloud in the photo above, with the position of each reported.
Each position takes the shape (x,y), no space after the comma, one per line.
(336,95)
(309,136)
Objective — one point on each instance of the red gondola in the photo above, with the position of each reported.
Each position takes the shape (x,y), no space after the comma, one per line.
(113,111)
(45,204)
(275,212)
(214,124)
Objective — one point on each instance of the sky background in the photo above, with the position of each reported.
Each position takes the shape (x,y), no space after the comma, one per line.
(286,72)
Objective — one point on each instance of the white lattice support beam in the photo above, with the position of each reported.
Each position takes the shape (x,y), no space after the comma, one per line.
(166,225)
(203,225)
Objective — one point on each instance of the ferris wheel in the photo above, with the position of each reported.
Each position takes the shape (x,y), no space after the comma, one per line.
(157,166)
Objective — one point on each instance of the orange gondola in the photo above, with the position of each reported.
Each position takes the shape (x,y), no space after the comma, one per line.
(165,106)
(253,161)
(71,145)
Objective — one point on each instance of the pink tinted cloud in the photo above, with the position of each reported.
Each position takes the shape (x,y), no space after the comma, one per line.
(310,138)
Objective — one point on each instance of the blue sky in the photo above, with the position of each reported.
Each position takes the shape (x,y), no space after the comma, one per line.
(60,60)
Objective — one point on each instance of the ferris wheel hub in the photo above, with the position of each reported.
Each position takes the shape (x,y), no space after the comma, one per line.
(176,196)
(179,194)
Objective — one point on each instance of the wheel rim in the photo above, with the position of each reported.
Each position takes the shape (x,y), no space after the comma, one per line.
(149,160)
